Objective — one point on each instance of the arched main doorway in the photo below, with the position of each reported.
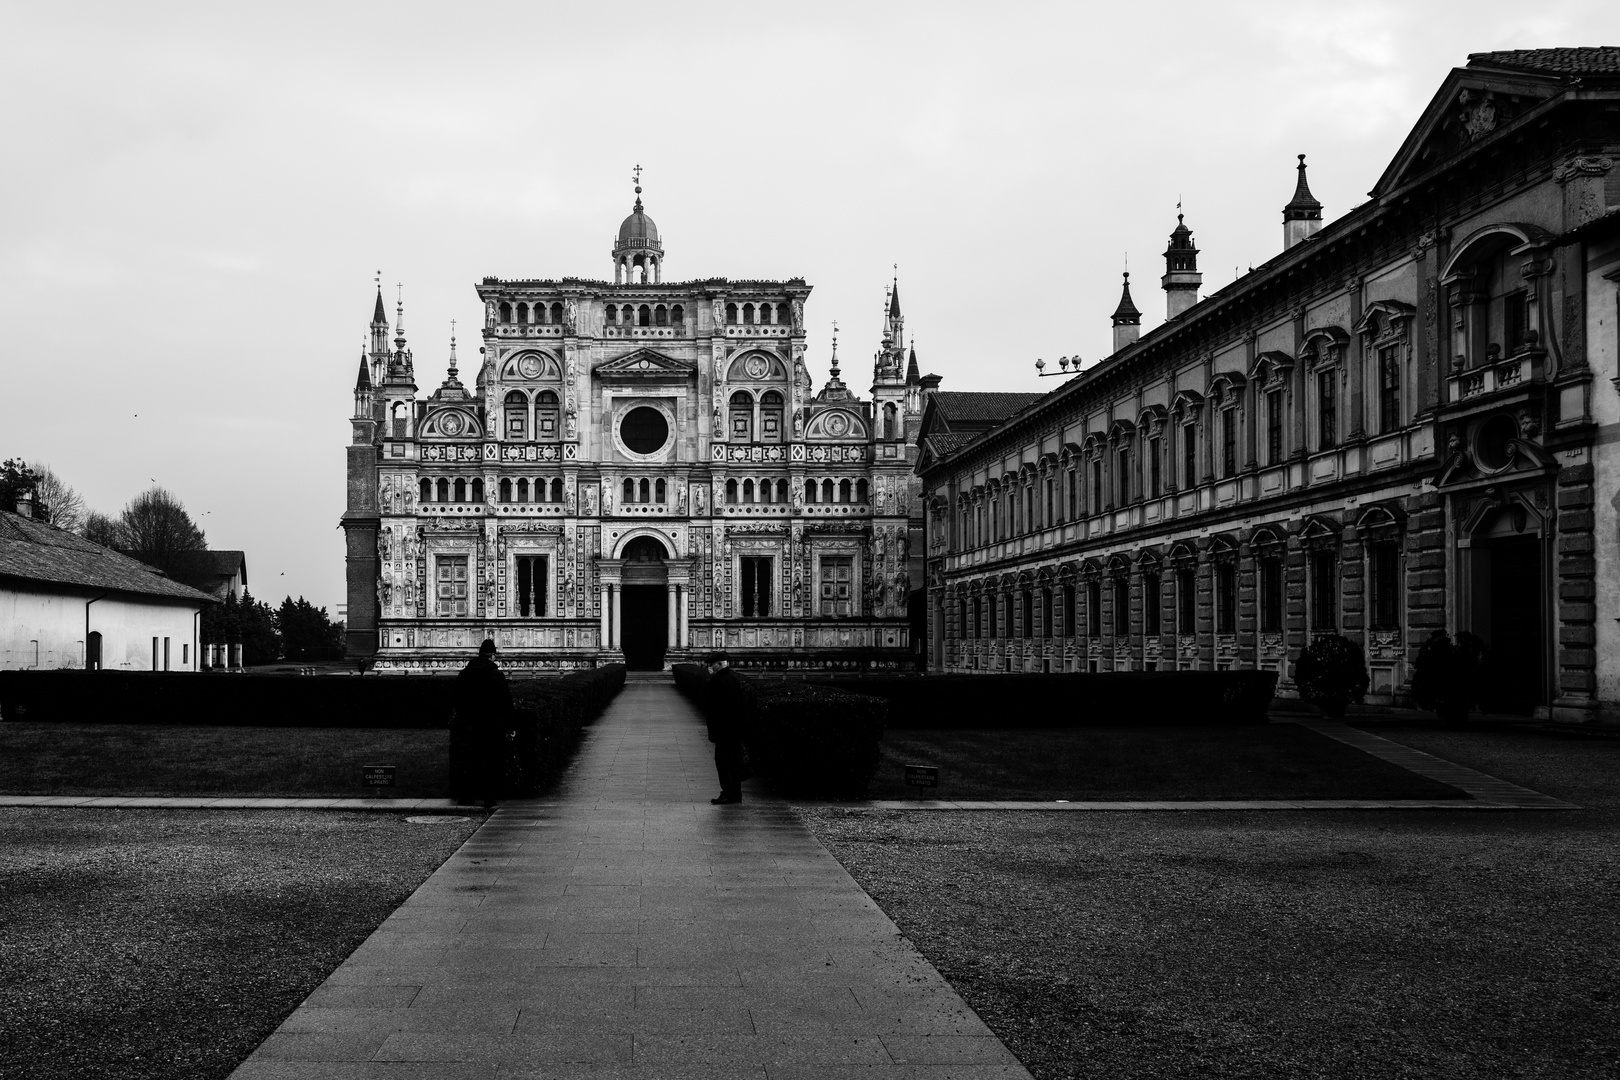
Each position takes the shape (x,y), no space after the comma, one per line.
(644,606)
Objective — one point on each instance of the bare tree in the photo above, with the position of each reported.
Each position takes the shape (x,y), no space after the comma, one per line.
(104,530)
(58,503)
(158,531)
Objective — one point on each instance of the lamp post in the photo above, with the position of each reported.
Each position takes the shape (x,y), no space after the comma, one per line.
(1063,367)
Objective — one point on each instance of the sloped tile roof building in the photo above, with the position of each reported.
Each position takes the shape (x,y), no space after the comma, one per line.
(1405,421)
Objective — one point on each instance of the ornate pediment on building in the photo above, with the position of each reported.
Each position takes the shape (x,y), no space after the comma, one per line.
(1495,447)
(531,365)
(836,424)
(452,424)
(645,364)
(1470,107)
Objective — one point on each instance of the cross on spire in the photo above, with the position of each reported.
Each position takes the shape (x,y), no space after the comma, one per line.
(637,171)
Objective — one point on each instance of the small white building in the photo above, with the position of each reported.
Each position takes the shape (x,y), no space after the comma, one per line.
(68,603)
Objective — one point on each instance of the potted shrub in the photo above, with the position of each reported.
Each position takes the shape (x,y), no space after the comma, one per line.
(1450,675)
(1331,672)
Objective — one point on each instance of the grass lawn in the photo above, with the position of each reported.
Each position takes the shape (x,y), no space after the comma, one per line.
(143,759)
(1271,761)
(1357,945)
(165,945)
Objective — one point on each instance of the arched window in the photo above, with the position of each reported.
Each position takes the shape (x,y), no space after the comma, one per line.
(809,491)
(731,314)
(506,312)
(742,417)
(545,415)
(427,490)
(460,490)
(644,315)
(770,417)
(610,314)
(557,313)
(781,491)
(660,315)
(731,491)
(660,492)
(522,490)
(401,416)
(506,490)
(748,314)
(888,421)
(826,491)
(444,490)
(843,491)
(477,490)
(747,491)
(523,313)
(644,489)
(764,313)
(677,315)
(557,490)
(783,314)
(629,490)
(863,492)
(517,415)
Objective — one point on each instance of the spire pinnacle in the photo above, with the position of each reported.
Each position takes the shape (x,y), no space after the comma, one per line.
(1303,206)
(833,364)
(1126,312)
(637,172)
(452,349)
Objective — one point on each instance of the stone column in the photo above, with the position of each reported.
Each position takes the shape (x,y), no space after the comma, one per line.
(686,616)
(617,626)
(607,612)
(672,633)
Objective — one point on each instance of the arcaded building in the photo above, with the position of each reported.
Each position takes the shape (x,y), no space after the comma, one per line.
(641,471)
(1405,421)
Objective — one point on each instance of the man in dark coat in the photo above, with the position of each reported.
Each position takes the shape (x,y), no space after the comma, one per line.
(484,717)
(725,731)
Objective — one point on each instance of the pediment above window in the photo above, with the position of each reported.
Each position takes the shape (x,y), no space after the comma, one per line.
(645,364)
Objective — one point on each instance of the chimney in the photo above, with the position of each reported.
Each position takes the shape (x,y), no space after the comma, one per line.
(1303,214)
(1127,320)
(25,504)
(1181,277)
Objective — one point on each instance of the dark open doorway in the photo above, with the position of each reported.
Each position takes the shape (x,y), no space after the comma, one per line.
(645,630)
(1517,637)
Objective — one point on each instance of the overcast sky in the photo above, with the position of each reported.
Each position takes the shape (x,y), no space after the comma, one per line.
(196,197)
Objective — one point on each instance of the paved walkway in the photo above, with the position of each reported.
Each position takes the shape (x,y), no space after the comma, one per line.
(628,930)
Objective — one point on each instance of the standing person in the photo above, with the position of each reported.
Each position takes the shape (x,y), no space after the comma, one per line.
(725,731)
(484,717)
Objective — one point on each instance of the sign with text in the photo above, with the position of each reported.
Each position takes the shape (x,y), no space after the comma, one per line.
(377,775)
(921,776)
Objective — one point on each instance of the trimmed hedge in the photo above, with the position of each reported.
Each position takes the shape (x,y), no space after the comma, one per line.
(1105,699)
(550,716)
(805,739)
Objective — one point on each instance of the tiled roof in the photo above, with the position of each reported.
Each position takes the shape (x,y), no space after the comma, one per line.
(946,443)
(1590,60)
(963,406)
(33,551)
(206,569)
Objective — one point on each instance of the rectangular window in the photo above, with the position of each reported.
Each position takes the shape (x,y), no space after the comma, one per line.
(1389,390)
(1094,608)
(1324,592)
(1026,614)
(1151,600)
(756,584)
(1051,501)
(993,615)
(1229,442)
(1096,486)
(1189,456)
(154,654)
(1122,606)
(1384,565)
(1327,411)
(1271,594)
(1515,321)
(1068,610)
(1186,601)
(837,585)
(1225,598)
(1123,493)
(165,655)
(1074,493)
(1047,629)
(452,586)
(530,599)
(1274,428)
(185,653)
(1155,485)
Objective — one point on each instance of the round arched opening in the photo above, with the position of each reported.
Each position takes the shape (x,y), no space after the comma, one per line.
(1493,449)
(644,430)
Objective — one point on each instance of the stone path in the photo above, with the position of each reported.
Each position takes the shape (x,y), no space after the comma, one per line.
(628,930)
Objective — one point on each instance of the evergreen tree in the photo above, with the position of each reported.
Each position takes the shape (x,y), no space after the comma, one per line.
(261,641)
(307,633)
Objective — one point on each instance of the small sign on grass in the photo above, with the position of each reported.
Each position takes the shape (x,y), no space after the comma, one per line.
(377,775)
(922,776)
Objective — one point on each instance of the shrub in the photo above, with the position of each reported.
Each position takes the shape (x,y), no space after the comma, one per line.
(1449,677)
(691,680)
(549,717)
(806,739)
(1331,672)
(1105,699)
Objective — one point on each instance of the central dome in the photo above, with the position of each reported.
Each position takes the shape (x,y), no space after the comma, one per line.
(638,229)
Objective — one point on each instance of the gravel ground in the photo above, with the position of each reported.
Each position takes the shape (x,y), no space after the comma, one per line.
(168,944)
(1313,944)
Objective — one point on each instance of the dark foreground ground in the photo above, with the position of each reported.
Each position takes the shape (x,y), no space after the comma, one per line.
(1289,944)
(168,944)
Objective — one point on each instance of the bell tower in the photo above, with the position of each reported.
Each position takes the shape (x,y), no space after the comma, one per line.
(638,255)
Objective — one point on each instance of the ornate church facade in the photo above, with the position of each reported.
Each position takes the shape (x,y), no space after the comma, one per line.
(640,471)
(1407,421)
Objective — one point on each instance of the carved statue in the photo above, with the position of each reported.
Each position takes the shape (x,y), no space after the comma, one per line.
(798,316)
(489,313)
(570,316)
(718,311)
(798,423)
(590,500)
(700,500)
(607,497)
